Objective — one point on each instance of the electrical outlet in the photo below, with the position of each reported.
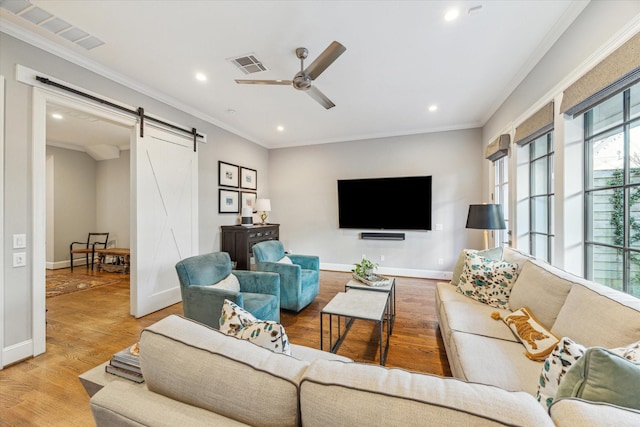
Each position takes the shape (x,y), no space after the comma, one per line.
(364,256)
(440,261)
(20,259)
(19,241)
(381,257)
(439,227)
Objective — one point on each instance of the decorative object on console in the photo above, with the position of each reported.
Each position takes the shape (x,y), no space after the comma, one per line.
(247,217)
(237,322)
(263,206)
(486,217)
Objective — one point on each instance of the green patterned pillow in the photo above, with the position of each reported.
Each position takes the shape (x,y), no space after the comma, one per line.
(493,253)
(238,322)
(488,281)
(565,354)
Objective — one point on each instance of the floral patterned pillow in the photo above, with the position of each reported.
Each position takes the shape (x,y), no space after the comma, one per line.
(238,322)
(488,281)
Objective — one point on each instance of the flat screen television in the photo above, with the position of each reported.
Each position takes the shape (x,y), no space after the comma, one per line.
(402,203)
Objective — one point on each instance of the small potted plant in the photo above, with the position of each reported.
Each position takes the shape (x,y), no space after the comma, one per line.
(364,268)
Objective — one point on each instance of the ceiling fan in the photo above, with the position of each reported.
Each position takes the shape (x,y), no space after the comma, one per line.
(302,80)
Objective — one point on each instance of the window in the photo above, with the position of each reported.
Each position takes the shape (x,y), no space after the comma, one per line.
(612,192)
(541,197)
(501,197)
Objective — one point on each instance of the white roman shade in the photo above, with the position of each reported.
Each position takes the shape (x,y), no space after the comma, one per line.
(498,148)
(612,75)
(535,126)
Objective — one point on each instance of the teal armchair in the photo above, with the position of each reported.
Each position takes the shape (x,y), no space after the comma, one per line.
(259,291)
(299,281)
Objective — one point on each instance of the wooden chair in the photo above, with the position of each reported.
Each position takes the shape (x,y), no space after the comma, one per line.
(94,240)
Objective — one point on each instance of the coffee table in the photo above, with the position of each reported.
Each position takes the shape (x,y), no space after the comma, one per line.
(389,289)
(356,304)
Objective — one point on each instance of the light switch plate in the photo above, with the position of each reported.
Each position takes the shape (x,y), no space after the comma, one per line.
(19,241)
(19,259)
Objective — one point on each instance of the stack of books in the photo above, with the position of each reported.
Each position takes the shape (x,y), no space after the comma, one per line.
(126,364)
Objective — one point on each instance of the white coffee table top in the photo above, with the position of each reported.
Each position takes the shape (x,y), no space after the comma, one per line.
(359,304)
(355,284)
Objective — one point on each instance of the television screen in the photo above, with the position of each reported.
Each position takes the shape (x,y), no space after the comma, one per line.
(402,203)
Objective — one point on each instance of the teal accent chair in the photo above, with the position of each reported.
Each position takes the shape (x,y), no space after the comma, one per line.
(299,282)
(259,292)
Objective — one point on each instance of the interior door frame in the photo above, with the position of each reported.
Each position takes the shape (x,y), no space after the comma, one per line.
(42,96)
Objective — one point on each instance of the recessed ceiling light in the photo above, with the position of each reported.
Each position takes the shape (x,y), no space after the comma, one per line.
(280,128)
(201,77)
(433,108)
(57,116)
(451,15)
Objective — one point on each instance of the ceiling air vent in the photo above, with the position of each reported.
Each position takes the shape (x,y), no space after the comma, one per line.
(248,64)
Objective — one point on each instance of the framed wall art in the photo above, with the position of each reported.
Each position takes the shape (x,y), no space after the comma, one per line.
(228,174)
(248,200)
(229,201)
(248,179)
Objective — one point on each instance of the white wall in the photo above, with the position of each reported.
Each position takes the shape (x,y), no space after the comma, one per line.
(303,192)
(112,198)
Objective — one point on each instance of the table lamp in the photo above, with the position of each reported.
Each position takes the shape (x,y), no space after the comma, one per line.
(486,217)
(263,206)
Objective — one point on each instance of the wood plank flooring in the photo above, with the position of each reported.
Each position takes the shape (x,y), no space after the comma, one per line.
(85,328)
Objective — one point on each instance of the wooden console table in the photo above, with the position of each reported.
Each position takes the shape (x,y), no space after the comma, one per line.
(122,255)
(238,241)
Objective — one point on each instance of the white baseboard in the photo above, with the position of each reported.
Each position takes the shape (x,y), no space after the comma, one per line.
(390,271)
(17,352)
(54,265)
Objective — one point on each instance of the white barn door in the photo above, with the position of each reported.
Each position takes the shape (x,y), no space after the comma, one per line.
(164,216)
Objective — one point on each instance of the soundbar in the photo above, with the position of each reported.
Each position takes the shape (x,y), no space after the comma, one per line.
(382,236)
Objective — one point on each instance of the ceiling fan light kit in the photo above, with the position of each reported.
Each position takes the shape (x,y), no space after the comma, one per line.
(303,80)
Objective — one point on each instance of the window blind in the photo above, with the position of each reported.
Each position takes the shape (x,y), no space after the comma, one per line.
(612,75)
(498,148)
(535,126)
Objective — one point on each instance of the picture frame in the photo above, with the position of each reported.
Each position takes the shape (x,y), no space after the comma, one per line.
(248,178)
(228,201)
(248,200)
(228,174)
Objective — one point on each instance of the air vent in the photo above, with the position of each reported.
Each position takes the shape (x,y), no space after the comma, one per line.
(40,17)
(248,64)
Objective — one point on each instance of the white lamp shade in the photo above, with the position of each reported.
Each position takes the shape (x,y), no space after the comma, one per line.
(263,205)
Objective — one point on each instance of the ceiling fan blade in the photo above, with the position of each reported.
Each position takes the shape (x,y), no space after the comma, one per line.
(325,59)
(264,82)
(320,97)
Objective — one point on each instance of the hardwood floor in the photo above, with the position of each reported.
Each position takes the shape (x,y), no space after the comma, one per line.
(85,328)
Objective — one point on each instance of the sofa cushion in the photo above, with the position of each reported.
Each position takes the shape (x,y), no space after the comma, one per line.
(602,376)
(538,278)
(571,412)
(493,361)
(354,394)
(565,354)
(493,253)
(487,280)
(617,319)
(211,370)
(239,323)
(537,341)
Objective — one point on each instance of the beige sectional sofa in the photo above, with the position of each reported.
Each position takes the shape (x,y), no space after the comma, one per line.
(197,376)
(483,350)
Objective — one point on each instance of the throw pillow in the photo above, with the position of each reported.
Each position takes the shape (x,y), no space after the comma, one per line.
(493,253)
(238,322)
(537,340)
(229,283)
(285,260)
(565,354)
(602,376)
(486,280)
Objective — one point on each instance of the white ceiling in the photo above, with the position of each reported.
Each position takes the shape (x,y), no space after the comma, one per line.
(401,57)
